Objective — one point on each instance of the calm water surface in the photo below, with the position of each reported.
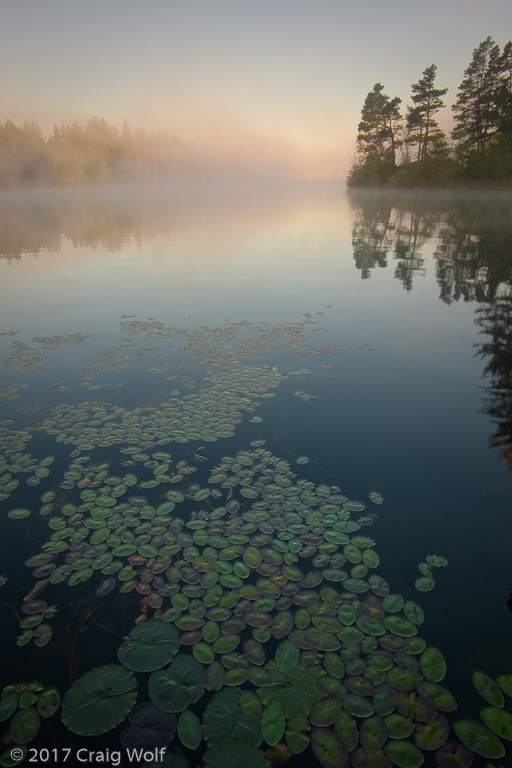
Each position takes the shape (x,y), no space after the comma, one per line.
(392,310)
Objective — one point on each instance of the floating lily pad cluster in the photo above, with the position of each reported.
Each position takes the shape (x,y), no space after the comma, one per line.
(14,460)
(264,623)
(24,704)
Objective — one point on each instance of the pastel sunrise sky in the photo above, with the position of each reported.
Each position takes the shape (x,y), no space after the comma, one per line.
(251,80)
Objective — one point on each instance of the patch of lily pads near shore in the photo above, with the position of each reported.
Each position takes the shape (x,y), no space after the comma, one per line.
(265,629)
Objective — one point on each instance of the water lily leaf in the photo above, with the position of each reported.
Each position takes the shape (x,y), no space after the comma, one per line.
(190,731)
(149,728)
(8,705)
(488,689)
(414,613)
(149,646)
(99,700)
(437,696)
(325,712)
(404,754)
(376,497)
(399,625)
(328,748)
(424,584)
(225,719)
(24,725)
(361,759)
(180,684)
(297,733)
(48,702)
(432,734)
(454,755)
(359,706)
(437,561)
(499,721)
(479,739)
(505,683)
(273,723)
(399,726)
(373,733)
(433,664)
(287,656)
(250,704)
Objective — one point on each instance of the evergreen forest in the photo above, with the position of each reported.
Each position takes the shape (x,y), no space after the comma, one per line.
(406,150)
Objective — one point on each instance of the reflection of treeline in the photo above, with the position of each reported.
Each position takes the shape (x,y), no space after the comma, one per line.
(471,235)
(90,154)
(412,150)
(495,321)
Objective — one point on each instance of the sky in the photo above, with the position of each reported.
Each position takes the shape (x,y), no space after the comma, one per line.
(253,81)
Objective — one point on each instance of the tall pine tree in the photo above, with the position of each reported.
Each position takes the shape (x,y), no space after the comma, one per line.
(378,130)
(476,110)
(422,129)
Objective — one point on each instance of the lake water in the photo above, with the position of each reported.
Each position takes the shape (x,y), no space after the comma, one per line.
(369,333)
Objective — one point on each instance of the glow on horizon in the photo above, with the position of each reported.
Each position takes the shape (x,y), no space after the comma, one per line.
(277,83)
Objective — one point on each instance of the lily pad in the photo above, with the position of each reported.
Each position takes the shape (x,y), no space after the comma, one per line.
(149,728)
(433,664)
(99,700)
(173,689)
(499,721)
(225,719)
(190,731)
(479,739)
(404,754)
(488,689)
(328,749)
(24,725)
(273,723)
(149,646)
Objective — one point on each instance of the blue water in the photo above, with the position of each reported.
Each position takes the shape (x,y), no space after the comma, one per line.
(403,414)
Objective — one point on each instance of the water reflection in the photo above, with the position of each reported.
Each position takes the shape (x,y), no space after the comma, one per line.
(495,322)
(472,236)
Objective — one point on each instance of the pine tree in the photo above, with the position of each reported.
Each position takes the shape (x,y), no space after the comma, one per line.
(420,118)
(476,110)
(378,130)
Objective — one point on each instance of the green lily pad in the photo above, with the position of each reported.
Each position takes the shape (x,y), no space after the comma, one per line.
(437,561)
(479,739)
(505,683)
(190,731)
(414,612)
(173,689)
(287,656)
(488,689)
(499,721)
(433,664)
(328,749)
(432,734)
(424,584)
(403,754)
(48,702)
(373,734)
(8,705)
(399,625)
(24,725)
(325,712)
(437,696)
(297,733)
(149,646)
(272,723)
(99,700)
(225,719)
(18,514)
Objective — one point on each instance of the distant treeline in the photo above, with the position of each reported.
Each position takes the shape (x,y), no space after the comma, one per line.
(412,150)
(92,154)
